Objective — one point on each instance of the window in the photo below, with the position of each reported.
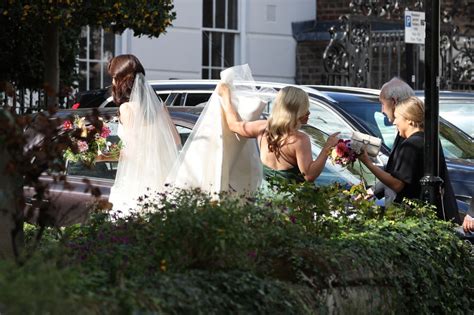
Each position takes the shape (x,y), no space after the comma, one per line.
(183,132)
(96,49)
(193,99)
(327,120)
(331,173)
(460,113)
(220,30)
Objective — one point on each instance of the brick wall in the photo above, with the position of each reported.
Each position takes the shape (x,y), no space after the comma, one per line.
(331,9)
(309,60)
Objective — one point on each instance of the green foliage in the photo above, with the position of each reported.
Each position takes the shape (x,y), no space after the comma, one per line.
(37,287)
(21,49)
(144,17)
(24,23)
(280,252)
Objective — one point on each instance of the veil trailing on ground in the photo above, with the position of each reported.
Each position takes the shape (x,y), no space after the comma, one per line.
(214,159)
(150,147)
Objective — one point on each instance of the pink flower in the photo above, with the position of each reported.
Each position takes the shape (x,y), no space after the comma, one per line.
(82,145)
(105,131)
(67,125)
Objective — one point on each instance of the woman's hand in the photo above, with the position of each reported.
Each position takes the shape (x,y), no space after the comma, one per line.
(468,224)
(364,157)
(223,89)
(332,140)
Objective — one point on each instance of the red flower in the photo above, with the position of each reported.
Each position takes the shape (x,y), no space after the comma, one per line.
(67,125)
(341,148)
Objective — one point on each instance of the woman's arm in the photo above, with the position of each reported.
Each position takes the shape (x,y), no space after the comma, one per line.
(385,177)
(248,129)
(312,169)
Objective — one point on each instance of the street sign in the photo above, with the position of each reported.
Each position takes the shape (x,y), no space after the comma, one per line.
(414,27)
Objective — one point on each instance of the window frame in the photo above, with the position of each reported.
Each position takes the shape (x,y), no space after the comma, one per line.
(88,60)
(222,32)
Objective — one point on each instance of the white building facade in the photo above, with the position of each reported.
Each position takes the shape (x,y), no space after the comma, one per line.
(207,36)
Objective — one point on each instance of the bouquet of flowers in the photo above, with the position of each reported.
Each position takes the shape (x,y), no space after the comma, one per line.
(342,153)
(88,141)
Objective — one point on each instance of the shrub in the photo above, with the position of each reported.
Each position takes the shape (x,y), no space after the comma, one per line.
(293,251)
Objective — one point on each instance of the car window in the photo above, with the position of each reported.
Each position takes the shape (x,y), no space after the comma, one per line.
(101,169)
(331,173)
(178,100)
(108,170)
(193,99)
(454,144)
(325,119)
(105,170)
(163,96)
(328,121)
(387,131)
(459,113)
(184,133)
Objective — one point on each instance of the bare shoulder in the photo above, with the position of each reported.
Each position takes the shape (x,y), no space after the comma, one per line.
(125,113)
(124,107)
(297,140)
(300,137)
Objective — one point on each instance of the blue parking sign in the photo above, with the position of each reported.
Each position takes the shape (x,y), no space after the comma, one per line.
(408,21)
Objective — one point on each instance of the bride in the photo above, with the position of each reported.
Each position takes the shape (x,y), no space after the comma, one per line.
(150,139)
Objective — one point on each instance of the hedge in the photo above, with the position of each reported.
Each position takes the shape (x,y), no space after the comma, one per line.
(303,250)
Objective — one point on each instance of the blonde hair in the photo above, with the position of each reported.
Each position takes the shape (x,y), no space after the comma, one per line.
(291,103)
(412,109)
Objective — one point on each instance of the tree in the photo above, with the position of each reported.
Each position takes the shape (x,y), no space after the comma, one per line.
(43,22)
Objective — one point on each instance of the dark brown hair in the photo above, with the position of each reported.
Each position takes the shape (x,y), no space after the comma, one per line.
(123,69)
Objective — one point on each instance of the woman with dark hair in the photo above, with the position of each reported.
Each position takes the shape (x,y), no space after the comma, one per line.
(150,140)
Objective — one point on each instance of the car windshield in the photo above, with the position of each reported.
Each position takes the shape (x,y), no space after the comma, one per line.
(459,113)
(455,144)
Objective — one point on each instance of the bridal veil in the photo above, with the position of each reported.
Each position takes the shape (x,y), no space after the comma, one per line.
(150,147)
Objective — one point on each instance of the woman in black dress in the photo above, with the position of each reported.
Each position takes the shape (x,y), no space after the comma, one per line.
(408,167)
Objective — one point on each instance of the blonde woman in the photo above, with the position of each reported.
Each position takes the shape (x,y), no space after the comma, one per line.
(408,159)
(284,150)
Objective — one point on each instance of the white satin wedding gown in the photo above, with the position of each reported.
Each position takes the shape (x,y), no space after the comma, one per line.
(214,159)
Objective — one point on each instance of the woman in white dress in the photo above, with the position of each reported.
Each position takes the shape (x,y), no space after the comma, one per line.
(150,140)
